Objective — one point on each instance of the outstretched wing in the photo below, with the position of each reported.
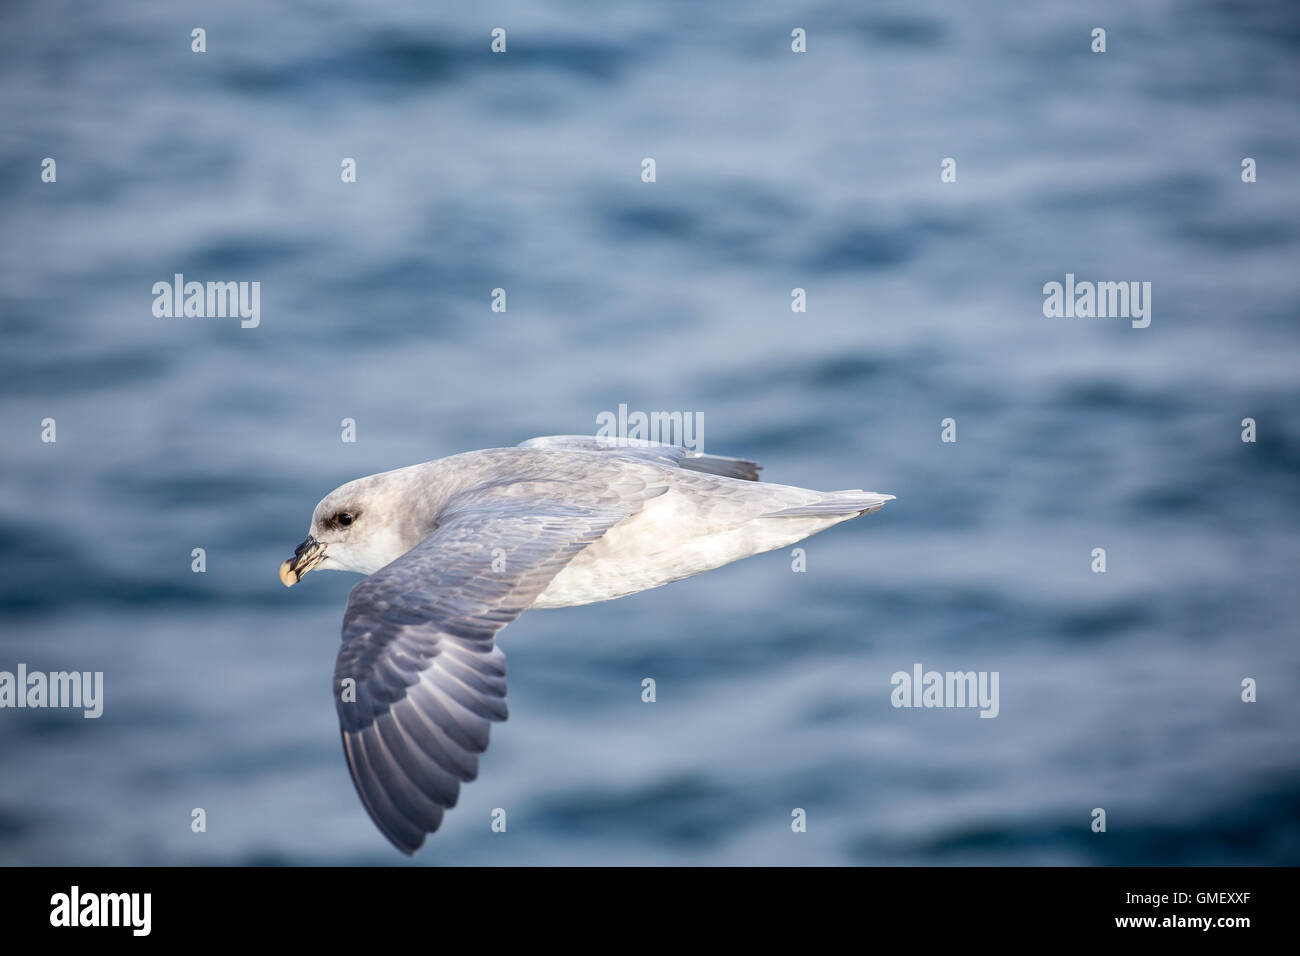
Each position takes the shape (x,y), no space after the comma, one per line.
(418,679)
(646,450)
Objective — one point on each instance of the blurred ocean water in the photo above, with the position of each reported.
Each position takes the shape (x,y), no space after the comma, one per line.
(774,171)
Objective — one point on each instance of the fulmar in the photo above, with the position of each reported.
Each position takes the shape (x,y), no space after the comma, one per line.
(455,549)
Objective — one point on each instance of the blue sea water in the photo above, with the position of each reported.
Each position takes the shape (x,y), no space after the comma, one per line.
(775,170)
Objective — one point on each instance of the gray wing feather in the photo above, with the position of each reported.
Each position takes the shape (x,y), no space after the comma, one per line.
(418,643)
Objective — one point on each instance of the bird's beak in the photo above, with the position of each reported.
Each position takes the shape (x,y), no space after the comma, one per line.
(305,557)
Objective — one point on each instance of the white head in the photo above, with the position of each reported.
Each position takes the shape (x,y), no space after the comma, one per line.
(360,526)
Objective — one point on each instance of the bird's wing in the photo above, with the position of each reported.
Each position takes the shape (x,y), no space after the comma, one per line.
(646,450)
(426,679)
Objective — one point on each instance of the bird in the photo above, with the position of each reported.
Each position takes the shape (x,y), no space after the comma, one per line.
(455,549)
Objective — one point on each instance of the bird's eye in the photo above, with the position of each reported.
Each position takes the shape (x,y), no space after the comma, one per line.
(344,518)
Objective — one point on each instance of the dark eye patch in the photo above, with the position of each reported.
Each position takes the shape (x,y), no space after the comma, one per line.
(344,518)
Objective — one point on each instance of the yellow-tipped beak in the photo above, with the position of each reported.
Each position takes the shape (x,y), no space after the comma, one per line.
(305,557)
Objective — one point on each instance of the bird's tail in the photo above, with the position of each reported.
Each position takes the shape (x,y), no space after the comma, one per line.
(854,501)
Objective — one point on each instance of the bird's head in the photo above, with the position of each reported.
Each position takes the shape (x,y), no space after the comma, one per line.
(356,527)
